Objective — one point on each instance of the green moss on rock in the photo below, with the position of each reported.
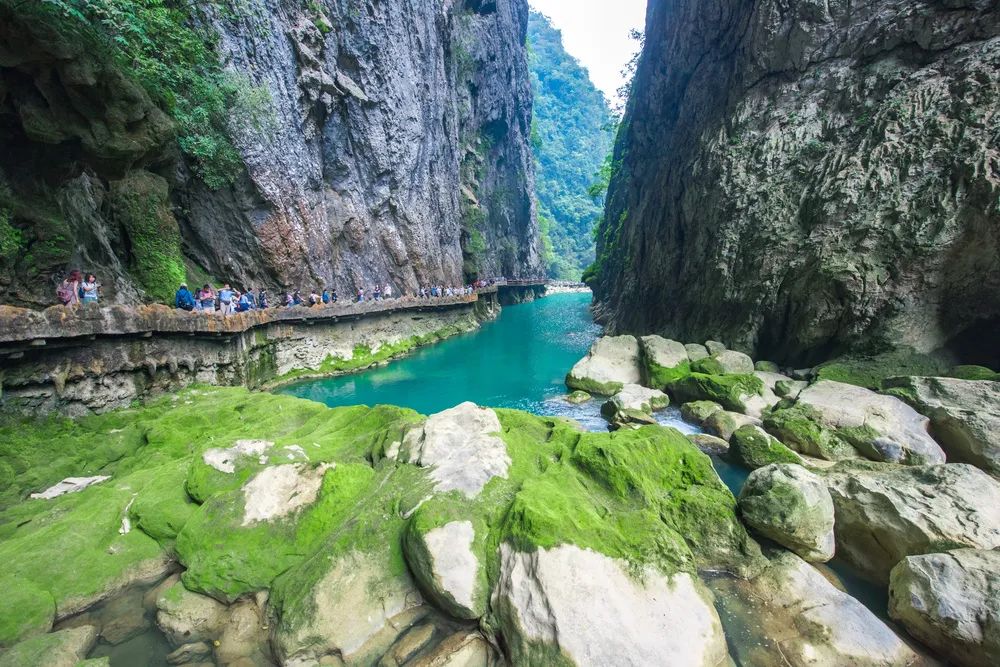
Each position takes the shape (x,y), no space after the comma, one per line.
(659,377)
(869,371)
(708,366)
(970,372)
(754,448)
(697,412)
(798,426)
(729,391)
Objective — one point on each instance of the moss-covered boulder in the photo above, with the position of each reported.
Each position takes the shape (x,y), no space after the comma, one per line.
(697,412)
(800,427)
(186,617)
(611,363)
(577,397)
(870,370)
(753,447)
(723,423)
(663,361)
(766,366)
(972,372)
(883,428)
(730,391)
(634,404)
(709,444)
(792,506)
(66,648)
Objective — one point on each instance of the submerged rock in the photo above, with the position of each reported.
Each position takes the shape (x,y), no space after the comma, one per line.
(548,610)
(792,615)
(611,363)
(881,427)
(951,602)
(964,414)
(887,513)
(790,505)
(753,447)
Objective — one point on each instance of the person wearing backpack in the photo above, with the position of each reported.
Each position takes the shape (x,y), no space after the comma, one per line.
(183,299)
(226,299)
(89,289)
(68,291)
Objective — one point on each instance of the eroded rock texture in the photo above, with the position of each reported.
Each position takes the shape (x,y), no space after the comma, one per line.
(802,178)
(393,149)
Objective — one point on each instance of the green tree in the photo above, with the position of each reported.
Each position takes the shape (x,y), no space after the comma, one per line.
(571,134)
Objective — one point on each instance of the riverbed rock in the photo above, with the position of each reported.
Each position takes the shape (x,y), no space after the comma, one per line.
(730,391)
(723,423)
(789,388)
(696,351)
(792,506)
(634,404)
(881,427)
(714,347)
(462,448)
(964,414)
(663,360)
(244,634)
(697,412)
(577,397)
(709,444)
(65,648)
(731,361)
(799,427)
(611,363)
(186,617)
(885,513)
(353,607)
(444,563)
(766,366)
(545,601)
(753,447)
(185,654)
(461,649)
(278,491)
(951,602)
(792,615)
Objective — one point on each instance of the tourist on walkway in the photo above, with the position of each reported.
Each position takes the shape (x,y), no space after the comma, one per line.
(206,297)
(226,297)
(387,292)
(360,295)
(243,305)
(68,291)
(326,295)
(377,292)
(183,299)
(314,298)
(89,288)
(333,296)
(262,299)
(296,298)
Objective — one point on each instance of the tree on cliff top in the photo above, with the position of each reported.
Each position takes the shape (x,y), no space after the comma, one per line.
(570,136)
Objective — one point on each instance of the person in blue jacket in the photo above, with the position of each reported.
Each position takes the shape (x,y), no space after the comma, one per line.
(184,299)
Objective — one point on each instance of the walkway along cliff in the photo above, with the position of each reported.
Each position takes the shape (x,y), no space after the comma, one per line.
(802,179)
(89,359)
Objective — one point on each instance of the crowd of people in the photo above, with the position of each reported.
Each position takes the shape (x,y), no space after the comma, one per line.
(79,289)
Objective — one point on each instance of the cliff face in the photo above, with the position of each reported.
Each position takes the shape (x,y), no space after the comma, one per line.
(388,144)
(799,179)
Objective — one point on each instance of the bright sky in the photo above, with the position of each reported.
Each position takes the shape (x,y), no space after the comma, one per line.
(596,32)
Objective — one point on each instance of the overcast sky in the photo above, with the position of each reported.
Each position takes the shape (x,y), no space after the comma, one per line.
(595,32)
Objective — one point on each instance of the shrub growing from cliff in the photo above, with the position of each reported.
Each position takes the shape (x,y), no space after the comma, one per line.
(165,46)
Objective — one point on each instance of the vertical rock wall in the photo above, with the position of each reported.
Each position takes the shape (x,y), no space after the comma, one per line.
(393,148)
(798,179)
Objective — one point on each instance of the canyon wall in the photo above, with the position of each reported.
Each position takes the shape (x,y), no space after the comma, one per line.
(803,179)
(371,143)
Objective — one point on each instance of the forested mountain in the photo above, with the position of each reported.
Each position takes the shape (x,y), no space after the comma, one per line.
(571,136)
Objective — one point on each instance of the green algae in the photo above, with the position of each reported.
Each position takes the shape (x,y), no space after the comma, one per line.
(869,371)
(592,386)
(729,391)
(971,372)
(698,411)
(798,426)
(708,366)
(660,377)
(751,447)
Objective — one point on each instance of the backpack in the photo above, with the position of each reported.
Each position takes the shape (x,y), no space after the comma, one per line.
(64,292)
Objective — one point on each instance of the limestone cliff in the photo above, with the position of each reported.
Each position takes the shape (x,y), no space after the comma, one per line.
(388,142)
(802,178)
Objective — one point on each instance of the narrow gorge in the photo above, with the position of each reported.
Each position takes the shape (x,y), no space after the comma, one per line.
(388,428)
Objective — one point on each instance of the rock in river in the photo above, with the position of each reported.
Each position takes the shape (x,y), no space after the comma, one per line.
(951,601)
(613,362)
(881,427)
(580,605)
(791,506)
(964,414)
(886,513)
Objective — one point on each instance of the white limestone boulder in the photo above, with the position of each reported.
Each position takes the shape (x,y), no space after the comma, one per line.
(951,602)
(881,427)
(792,506)
(611,363)
(792,615)
(732,361)
(590,610)
(461,446)
(964,414)
(887,514)
(444,563)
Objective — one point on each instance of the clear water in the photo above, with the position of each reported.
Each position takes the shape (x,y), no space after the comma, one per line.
(518,361)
